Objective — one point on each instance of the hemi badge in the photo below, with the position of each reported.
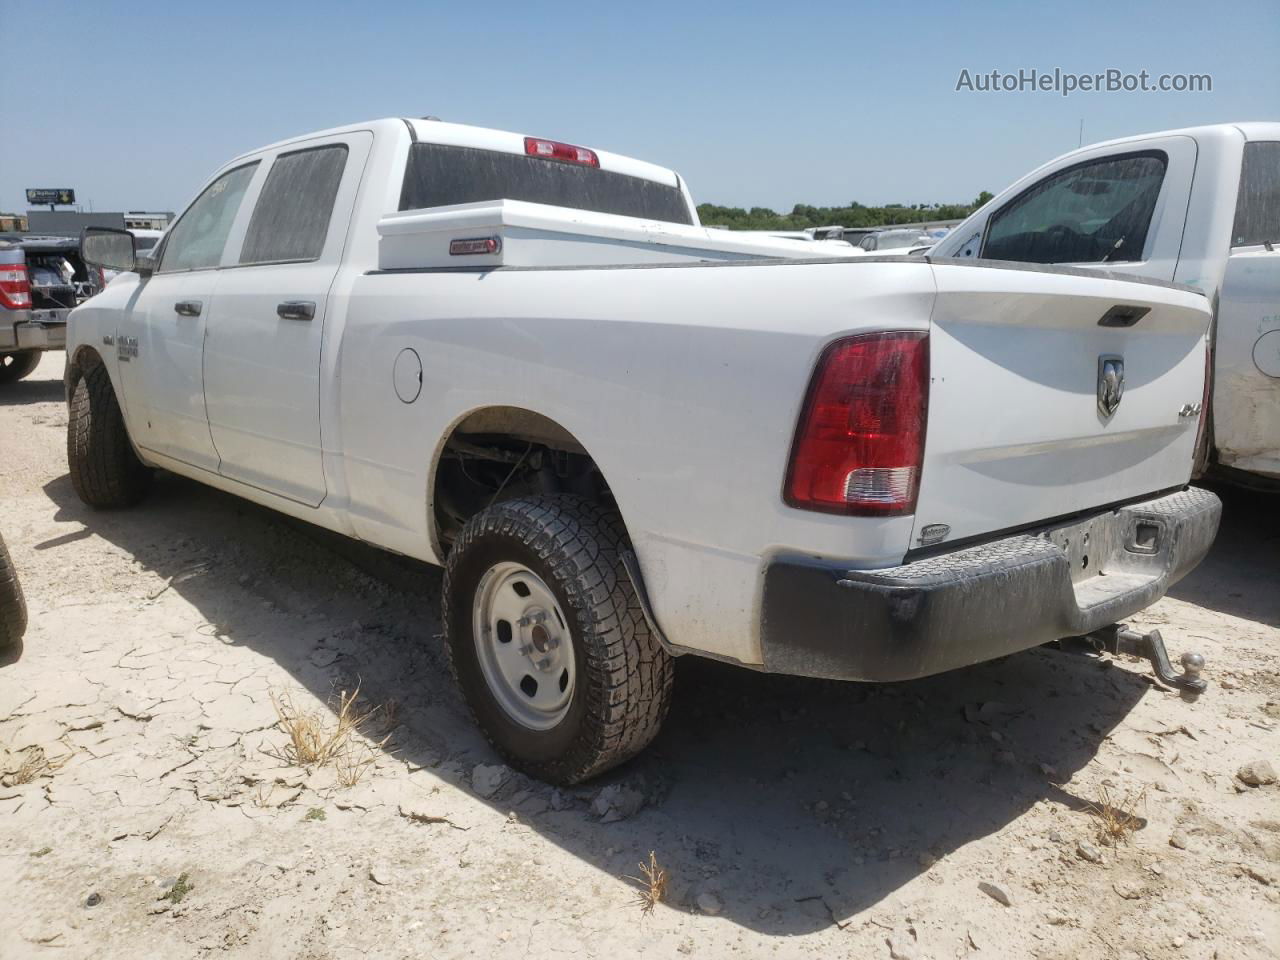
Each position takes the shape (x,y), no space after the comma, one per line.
(474,245)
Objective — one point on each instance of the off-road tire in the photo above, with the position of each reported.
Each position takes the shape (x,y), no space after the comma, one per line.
(104,469)
(15,366)
(13,608)
(623,675)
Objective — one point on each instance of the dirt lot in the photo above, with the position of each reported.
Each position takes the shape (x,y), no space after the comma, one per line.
(794,818)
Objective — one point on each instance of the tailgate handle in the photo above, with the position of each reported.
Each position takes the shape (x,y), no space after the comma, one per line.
(187,308)
(296,310)
(1123,316)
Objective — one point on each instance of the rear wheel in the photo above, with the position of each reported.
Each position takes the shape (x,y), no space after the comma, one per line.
(547,640)
(13,608)
(15,366)
(104,469)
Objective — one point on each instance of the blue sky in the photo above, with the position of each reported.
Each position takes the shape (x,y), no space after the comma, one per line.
(765,104)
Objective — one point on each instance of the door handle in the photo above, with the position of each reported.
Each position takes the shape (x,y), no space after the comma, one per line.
(187,308)
(296,310)
(1122,315)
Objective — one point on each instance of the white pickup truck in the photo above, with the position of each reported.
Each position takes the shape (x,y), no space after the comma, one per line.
(628,437)
(1200,206)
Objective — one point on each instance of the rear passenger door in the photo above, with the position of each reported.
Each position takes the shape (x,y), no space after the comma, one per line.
(266,330)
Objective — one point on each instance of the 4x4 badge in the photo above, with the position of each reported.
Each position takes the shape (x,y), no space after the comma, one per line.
(1110,383)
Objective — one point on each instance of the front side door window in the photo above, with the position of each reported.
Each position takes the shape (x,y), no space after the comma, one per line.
(1095,212)
(198,238)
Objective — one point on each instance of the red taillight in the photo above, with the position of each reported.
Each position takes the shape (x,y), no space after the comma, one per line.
(15,288)
(860,440)
(554,150)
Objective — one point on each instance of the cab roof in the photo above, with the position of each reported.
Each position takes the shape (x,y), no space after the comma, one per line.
(483,138)
(1253,130)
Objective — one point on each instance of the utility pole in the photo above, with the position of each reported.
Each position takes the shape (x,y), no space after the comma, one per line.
(1080,139)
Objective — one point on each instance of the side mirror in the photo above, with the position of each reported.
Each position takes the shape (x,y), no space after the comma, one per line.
(109,248)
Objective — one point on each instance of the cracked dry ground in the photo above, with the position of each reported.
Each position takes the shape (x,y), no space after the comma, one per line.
(794,817)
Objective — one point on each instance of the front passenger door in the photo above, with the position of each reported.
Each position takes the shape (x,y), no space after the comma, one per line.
(160,338)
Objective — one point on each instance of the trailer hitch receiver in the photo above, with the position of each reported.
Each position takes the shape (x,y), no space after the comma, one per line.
(1118,638)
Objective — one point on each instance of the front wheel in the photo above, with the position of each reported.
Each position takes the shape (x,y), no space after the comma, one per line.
(547,640)
(13,608)
(104,469)
(15,366)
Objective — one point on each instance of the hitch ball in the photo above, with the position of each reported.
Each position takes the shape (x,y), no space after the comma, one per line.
(1192,664)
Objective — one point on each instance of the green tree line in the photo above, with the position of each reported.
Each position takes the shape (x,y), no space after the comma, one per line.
(803,215)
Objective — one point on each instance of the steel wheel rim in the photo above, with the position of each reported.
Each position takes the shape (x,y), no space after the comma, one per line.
(524,645)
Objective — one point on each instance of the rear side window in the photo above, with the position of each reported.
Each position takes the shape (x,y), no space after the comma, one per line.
(1258,205)
(197,239)
(438,175)
(291,219)
(1096,212)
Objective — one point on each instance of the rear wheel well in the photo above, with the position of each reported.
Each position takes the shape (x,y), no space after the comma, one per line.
(502,453)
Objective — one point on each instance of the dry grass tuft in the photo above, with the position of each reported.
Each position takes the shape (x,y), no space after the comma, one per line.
(317,739)
(390,715)
(35,763)
(1118,819)
(350,766)
(653,885)
(313,742)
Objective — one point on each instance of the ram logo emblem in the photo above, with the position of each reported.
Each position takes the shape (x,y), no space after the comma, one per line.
(126,348)
(1110,383)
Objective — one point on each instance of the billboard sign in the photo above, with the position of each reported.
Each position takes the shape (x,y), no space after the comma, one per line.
(42,195)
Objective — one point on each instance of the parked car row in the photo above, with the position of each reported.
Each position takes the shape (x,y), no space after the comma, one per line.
(630,438)
(880,240)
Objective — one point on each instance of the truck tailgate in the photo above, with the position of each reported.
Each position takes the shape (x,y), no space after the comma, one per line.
(1016,432)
